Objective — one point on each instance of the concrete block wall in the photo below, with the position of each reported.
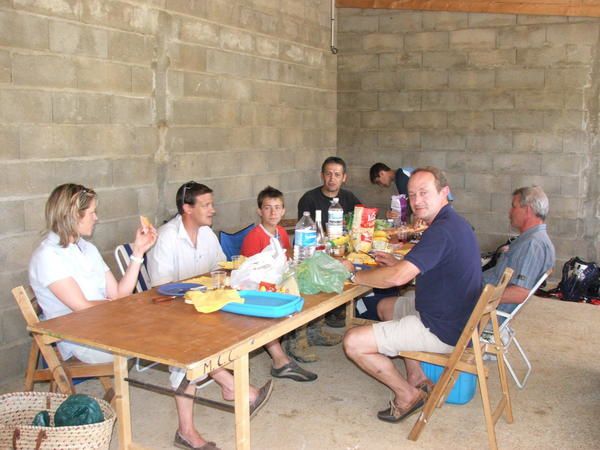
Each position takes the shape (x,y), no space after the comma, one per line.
(134,98)
(497,101)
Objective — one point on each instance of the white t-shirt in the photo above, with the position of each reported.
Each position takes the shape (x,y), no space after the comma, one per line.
(175,258)
(50,262)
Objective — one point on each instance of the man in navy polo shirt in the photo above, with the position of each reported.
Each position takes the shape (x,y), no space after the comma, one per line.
(447,268)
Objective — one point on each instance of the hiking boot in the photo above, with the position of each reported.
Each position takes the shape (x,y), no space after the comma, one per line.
(297,347)
(336,318)
(320,337)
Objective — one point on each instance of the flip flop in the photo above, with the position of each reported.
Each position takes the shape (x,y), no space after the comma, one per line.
(263,396)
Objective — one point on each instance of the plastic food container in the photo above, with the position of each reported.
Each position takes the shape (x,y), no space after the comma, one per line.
(266,304)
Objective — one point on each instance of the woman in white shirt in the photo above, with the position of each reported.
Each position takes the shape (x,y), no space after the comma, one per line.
(67,273)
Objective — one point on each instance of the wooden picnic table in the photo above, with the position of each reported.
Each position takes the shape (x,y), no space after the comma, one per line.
(173,333)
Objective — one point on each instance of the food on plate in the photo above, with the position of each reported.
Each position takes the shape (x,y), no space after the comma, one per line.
(361,258)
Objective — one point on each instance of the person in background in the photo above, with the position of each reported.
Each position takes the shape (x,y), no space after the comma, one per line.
(188,247)
(531,254)
(271,210)
(447,268)
(381,175)
(333,175)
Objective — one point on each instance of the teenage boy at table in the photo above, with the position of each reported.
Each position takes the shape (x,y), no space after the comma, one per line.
(530,254)
(447,267)
(270,210)
(186,247)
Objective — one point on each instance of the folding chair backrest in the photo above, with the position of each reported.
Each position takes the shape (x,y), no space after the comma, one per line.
(533,290)
(484,308)
(27,304)
(123,256)
(231,243)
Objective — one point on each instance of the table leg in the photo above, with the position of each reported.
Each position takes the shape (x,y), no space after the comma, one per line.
(122,402)
(242,403)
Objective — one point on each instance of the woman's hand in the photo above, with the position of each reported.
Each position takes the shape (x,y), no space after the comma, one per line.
(145,237)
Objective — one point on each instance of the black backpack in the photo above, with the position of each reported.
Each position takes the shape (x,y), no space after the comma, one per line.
(580,281)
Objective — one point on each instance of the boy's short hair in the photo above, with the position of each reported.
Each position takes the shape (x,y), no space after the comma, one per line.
(376,169)
(334,160)
(268,192)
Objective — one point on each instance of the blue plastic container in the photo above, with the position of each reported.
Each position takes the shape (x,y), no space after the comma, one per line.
(266,304)
(464,388)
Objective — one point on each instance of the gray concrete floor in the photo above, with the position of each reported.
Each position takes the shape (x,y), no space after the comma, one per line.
(558,409)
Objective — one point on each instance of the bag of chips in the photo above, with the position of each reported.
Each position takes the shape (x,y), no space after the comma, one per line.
(363,226)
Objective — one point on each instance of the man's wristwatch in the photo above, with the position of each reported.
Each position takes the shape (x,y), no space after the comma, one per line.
(353,277)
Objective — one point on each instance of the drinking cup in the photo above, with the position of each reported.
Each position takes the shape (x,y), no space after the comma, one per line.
(218,279)
(236,261)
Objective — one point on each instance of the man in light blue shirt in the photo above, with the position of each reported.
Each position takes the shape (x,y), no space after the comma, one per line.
(530,254)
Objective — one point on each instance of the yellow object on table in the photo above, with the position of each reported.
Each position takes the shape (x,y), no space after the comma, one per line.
(204,280)
(211,301)
(231,265)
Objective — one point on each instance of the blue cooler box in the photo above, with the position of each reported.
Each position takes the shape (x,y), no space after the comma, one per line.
(464,388)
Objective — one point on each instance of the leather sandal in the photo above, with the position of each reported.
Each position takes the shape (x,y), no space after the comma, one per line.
(394,414)
(294,372)
(261,399)
(181,442)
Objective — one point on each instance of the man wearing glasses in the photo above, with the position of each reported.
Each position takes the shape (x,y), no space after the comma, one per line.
(186,247)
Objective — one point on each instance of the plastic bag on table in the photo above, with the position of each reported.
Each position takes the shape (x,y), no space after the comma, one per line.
(268,266)
(321,273)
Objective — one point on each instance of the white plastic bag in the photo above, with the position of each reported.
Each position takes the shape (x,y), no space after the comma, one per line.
(268,265)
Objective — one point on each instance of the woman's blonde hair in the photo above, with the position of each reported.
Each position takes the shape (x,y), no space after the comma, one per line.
(65,206)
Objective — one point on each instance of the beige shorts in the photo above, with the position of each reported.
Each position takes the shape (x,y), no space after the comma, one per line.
(406,332)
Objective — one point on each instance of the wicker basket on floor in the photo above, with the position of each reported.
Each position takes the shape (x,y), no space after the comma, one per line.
(18,409)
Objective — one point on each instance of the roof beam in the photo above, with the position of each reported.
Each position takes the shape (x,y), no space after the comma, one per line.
(581,8)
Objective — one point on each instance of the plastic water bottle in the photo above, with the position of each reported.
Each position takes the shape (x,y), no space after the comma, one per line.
(305,238)
(335,225)
(321,239)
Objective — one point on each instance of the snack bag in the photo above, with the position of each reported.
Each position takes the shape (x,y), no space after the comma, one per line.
(363,226)
(399,205)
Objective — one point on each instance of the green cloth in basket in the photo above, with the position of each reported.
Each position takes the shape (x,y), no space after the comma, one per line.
(78,409)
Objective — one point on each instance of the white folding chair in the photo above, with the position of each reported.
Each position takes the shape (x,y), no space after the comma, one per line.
(122,256)
(509,337)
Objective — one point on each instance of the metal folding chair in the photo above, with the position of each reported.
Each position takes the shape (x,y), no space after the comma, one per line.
(123,257)
(508,335)
(231,243)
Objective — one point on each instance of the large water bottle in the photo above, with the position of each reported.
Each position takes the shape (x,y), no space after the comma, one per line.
(305,238)
(335,224)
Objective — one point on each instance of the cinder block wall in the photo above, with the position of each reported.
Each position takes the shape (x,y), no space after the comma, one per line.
(134,98)
(498,101)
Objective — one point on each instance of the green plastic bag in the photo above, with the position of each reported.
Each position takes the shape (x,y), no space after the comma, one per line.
(78,409)
(321,273)
(41,419)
